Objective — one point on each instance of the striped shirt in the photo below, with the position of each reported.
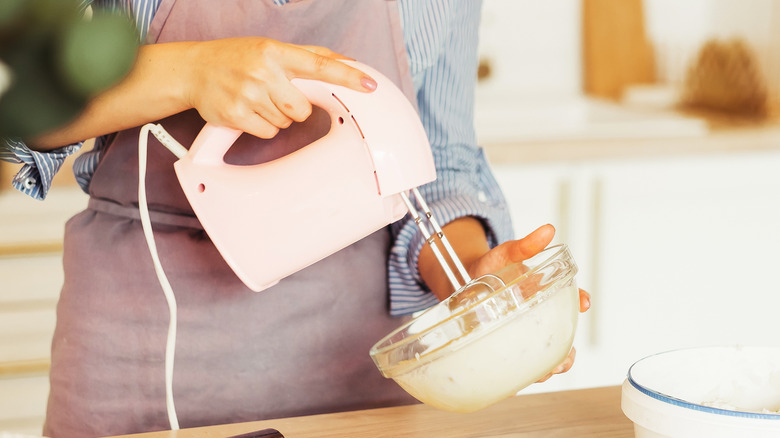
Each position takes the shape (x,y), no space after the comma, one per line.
(441,41)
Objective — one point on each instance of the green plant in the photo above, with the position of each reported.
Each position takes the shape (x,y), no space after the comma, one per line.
(57,59)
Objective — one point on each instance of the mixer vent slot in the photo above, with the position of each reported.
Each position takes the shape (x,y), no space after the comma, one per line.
(358,126)
(339,101)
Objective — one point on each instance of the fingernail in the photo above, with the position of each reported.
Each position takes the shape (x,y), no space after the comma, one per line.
(368,83)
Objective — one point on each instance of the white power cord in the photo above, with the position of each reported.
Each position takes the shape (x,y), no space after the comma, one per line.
(146,223)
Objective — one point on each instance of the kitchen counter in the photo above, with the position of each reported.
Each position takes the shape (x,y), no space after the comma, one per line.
(585,413)
(724,141)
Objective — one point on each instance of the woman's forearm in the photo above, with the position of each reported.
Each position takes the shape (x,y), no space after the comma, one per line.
(153,89)
(240,83)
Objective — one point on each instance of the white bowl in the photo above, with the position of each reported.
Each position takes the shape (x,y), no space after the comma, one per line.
(706,392)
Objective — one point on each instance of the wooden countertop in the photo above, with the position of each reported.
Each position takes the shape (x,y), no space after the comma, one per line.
(584,413)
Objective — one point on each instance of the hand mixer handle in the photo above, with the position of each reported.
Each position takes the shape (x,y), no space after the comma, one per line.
(213,141)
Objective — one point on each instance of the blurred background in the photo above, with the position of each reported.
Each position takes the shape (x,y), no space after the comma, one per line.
(646,131)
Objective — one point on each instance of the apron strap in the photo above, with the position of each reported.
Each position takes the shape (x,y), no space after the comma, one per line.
(130,212)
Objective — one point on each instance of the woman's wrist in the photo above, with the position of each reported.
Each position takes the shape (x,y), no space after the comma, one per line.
(467,236)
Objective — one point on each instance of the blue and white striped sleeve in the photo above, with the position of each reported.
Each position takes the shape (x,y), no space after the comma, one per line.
(441,39)
(38,168)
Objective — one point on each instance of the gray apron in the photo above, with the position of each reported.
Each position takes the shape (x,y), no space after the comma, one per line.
(298,348)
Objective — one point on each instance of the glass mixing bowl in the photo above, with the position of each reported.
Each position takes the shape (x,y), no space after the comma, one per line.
(491,338)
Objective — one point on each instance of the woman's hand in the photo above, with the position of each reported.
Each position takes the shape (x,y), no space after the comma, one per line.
(468,238)
(244,83)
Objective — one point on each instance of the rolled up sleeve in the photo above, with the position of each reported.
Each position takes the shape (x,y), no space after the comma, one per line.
(442,48)
(38,168)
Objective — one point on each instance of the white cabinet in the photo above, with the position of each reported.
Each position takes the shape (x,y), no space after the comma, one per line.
(676,252)
(28,297)
(30,280)
(538,195)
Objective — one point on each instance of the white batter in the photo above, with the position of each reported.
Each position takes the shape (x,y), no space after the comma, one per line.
(501,362)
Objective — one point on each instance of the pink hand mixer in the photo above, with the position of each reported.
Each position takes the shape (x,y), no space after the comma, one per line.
(332,192)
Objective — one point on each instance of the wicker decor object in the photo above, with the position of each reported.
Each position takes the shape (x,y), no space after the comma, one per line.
(726,77)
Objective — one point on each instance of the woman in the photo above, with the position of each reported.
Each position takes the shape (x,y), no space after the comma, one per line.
(300,347)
